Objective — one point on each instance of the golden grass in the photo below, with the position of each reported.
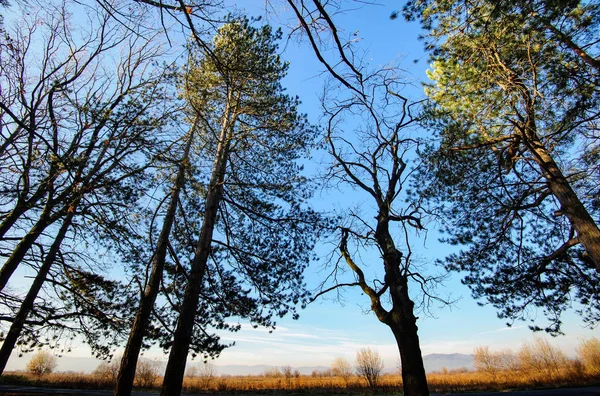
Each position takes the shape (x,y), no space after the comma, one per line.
(446,382)
(439,382)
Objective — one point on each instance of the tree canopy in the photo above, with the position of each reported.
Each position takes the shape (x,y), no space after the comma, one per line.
(515,175)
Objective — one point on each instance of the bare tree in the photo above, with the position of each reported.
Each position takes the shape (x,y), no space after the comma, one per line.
(108,370)
(205,373)
(342,367)
(370,157)
(368,120)
(81,139)
(540,356)
(369,365)
(487,361)
(147,373)
(288,374)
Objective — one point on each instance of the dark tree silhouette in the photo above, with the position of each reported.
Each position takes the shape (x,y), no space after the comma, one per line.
(255,229)
(77,143)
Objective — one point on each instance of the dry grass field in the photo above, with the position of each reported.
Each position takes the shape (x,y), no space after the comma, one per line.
(536,365)
(440,382)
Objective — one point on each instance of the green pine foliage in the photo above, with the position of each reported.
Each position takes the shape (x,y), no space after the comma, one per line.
(507,85)
(265,230)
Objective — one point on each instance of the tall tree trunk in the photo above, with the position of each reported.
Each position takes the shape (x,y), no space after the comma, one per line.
(588,232)
(23,247)
(403,324)
(23,205)
(401,318)
(19,321)
(142,317)
(175,370)
(10,220)
(577,50)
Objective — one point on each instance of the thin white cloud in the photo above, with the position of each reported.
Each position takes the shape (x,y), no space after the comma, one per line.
(502,329)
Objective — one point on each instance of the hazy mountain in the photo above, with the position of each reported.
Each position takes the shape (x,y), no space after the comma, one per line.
(239,369)
(437,361)
(433,362)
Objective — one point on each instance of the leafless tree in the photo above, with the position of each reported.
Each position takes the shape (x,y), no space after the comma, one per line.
(369,365)
(81,119)
(342,367)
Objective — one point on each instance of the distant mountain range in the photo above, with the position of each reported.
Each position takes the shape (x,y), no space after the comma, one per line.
(433,362)
(452,361)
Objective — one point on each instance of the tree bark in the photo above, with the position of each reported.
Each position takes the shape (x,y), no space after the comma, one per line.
(577,50)
(175,370)
(404,327)
(19,321)
(23,247)
(588,233)
(131,354)
(401,318)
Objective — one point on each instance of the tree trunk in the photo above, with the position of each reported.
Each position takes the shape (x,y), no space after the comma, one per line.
(175,370)
(23,247)
(571,206)
(577,50)
(131,354)
(12,217)
(404,327)
(19,321)
(401,318)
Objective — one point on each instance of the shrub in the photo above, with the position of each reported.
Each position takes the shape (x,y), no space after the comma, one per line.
(108,370)
(541,357)
(205,373)
(486,361)
(272,373)
(588,353)
(342,368)
(43,362)
(369,365)
(146,373)
(288,374)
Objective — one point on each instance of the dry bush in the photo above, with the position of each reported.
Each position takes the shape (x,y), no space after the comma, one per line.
(452,381)
(146,373)
(369,365)
(204,374)
(341,367)
(492,363)
(43,362)
(588,353)
(108,371)
(541,357)
(509,360)
(322,373)
(486,361)
(272,373)
(288,375)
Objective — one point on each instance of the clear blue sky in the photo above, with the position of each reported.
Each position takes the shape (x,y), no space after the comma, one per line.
(326,329)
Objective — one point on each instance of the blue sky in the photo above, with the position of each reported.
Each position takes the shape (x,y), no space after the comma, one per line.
(327,329)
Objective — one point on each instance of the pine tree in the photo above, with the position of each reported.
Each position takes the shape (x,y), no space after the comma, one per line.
(256,232)
(515,104)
